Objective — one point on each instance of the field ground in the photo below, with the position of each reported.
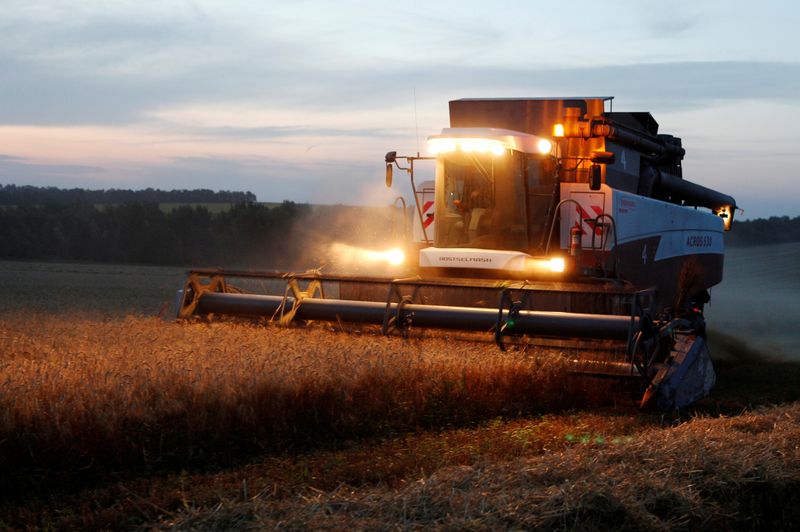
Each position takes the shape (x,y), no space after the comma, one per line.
(113,418)
(97,289)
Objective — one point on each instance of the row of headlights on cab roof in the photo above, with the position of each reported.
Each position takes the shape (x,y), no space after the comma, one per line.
(484,145)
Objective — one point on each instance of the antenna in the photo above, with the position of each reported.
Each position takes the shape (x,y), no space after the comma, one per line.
(416,120)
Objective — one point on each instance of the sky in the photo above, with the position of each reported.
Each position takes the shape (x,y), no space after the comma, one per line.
(301,100)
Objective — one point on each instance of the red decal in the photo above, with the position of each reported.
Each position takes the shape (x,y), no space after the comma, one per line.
(589,220)
(427,218)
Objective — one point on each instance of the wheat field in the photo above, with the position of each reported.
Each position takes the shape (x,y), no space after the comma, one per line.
(85,395)
(114,416)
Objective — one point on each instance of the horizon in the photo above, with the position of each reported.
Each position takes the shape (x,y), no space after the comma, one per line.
(280,201)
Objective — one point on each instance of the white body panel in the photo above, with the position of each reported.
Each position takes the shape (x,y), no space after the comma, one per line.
(483,259)
(682,230)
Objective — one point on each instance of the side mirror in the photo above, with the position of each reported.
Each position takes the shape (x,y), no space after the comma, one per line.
(391,157)
(595,175)
(389,175)
(602,157)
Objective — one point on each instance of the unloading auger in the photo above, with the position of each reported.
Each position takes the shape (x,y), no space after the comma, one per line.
(551,219)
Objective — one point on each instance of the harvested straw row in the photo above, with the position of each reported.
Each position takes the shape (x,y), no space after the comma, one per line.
(741,472)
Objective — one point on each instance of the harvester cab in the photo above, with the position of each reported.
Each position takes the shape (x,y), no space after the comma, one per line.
(551,220)
(494,188)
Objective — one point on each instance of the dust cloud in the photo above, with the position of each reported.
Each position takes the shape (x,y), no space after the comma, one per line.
(353,240)
(757,300)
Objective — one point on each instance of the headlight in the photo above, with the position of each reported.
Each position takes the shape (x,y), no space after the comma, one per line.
(395,257)
(551,265)
(544,146)
(352,255)
(467,145)
(557,265)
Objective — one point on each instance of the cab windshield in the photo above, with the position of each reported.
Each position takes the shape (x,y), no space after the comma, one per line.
(482,201)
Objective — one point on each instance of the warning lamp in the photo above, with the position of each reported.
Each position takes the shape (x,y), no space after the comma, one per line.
(558,130)
(726,213)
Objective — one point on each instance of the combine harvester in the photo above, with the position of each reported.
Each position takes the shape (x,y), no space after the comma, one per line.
(550,219)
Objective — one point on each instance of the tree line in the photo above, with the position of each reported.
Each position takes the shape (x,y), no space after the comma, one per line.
(762,231)
(246,235)
(30,195)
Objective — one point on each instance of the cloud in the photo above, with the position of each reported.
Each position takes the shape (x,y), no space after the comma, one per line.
(673,85)
(97,63)
(37,96)
(677,21)
(21,170)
